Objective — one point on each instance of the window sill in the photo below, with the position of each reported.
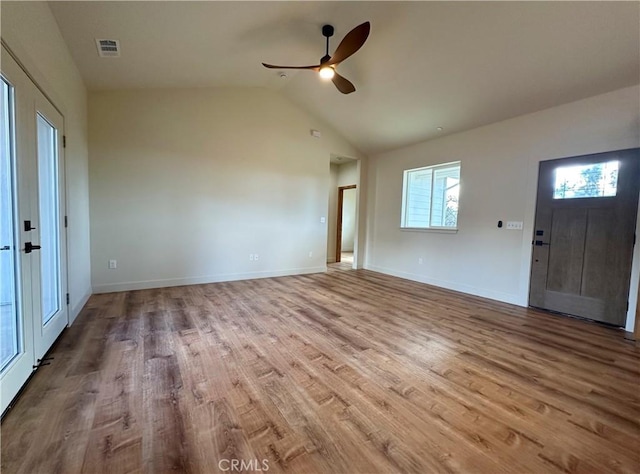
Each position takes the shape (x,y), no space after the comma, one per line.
(433,230)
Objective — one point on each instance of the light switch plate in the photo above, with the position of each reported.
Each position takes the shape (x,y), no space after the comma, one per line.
(514,225)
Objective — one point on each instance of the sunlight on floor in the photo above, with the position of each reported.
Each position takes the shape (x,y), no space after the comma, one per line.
(346,257)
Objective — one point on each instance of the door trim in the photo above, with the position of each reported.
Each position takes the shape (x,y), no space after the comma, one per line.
(636,329)
(24,69)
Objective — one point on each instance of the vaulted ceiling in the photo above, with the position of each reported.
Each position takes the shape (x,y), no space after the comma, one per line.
(455,65)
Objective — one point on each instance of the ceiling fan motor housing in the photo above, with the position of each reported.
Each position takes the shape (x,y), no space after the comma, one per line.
(327,30)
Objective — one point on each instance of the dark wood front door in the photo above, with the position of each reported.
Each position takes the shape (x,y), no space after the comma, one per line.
(584,235)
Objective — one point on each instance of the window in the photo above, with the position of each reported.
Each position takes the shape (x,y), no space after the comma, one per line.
(585,181)
(430,197)
(49,218)
(10,336)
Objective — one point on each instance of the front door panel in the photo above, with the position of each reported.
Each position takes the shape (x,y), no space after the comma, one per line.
(584,235)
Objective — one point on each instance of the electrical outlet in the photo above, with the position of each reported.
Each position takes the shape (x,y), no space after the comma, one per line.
(255,257)
(323,220)
(310,254)
(514,225)
(113,264)
(251,257)
(420,261)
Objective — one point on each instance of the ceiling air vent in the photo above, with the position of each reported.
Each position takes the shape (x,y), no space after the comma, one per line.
(108,48)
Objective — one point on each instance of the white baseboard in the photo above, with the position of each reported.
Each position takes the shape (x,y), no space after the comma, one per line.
(471,290)
(148,284)
(74,311)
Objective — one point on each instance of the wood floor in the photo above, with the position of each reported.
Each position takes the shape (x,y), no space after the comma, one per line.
(345,372)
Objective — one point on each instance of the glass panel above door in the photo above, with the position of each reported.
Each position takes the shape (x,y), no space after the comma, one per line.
(586,181)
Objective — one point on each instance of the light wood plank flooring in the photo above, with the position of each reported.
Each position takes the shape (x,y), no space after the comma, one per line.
(344,372)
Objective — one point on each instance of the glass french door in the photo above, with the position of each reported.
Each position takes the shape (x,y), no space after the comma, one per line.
(48,238)
(33,306)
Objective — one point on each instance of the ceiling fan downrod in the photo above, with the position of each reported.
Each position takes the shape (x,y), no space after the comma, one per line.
(327,32)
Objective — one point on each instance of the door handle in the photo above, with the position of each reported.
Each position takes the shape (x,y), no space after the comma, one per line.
(540,243)
(29,247)
(6,247)
(27,226)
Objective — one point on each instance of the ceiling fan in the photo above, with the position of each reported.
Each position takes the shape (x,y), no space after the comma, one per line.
(351,43)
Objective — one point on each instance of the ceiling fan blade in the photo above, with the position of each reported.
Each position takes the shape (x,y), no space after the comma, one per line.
(271,66)
(344,85)
(351,43)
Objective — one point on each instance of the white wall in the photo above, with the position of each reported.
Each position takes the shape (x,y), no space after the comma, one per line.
(31,33)
(185,184)
(348,173)
(498,182)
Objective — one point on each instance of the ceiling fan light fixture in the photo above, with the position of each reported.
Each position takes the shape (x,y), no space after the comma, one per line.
(327,72)
(349,45)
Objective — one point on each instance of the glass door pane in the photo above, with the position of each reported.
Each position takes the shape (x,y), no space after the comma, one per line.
(9,309)
(49,218)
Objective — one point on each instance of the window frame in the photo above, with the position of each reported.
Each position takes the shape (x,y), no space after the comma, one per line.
(405,184)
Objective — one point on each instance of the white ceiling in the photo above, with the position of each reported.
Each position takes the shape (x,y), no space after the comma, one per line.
(456,65)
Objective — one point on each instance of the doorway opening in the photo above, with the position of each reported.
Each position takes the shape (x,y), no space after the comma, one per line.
(342,222)
(584,235)
(346,224)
